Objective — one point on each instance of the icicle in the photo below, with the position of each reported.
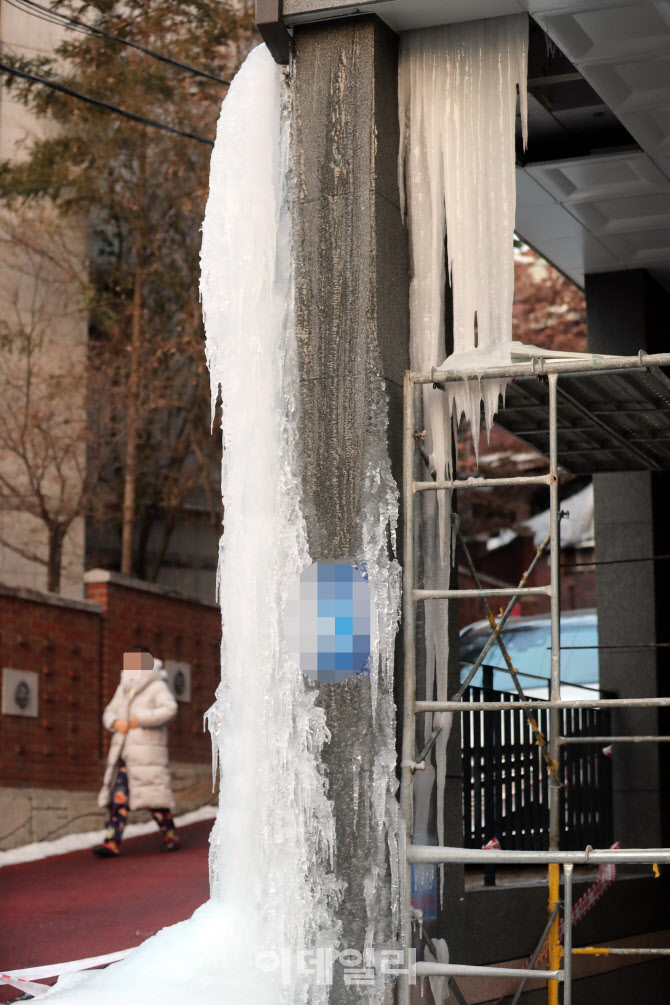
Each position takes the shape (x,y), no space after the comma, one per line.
(439,986)
(378,810)
(457,94)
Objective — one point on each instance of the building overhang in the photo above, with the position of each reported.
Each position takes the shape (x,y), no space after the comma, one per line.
(594,185)
(401,15)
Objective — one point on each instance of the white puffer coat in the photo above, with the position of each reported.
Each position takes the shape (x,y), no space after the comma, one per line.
(144,748)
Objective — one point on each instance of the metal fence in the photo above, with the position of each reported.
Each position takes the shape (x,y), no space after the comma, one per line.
(506,783)
(586,796)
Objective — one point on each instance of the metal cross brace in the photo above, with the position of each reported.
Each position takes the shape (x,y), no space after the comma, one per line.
(497,637)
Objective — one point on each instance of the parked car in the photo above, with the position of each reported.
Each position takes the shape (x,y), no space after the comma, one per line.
(528,642)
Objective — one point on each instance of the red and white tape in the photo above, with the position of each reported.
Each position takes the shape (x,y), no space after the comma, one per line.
(36,990)
(588,900)
(25,979)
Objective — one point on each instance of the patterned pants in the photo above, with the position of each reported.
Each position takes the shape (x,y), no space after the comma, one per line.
(119,805)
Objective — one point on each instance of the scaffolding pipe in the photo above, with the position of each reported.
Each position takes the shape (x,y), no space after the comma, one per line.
(497,706)
(458,994)
(511,669)
(539,366)
(489,856)
(567,932)
(452,980)
(553,939)
(409,693)
(508,591)
(553,858)
(432,739)
(613,739)
(555,686)
(508,610)
(611,951)
(466,970)
(536,952)
(481,483)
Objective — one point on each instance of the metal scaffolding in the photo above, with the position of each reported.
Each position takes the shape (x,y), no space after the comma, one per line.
(550,370)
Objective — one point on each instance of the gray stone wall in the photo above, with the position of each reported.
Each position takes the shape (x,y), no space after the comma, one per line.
(35,814)
(626,312)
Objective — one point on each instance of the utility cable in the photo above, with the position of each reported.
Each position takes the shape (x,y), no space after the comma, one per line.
(616,561)
(133,116)
(55,17)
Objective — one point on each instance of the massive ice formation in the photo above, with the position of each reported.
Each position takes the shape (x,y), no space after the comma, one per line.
(271,882)
(457,106)
(458,99)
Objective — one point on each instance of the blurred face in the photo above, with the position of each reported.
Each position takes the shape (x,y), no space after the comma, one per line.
(135,665)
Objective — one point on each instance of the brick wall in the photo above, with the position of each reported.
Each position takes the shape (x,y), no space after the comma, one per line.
(61,641)
(77,647)
(505,566)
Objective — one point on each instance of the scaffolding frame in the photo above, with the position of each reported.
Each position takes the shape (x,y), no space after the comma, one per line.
(553,858)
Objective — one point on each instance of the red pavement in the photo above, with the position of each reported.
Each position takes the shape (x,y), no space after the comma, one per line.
(72,906)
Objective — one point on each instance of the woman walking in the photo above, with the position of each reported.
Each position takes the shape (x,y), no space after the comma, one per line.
(137,774)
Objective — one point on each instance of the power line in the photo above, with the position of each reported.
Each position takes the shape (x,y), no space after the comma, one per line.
(615,561)
(55,17)
(62,89)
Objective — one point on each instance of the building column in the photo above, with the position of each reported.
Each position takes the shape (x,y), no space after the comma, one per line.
(351,314)
(626,312)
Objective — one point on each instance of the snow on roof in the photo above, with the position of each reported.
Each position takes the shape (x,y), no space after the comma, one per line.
(577,528)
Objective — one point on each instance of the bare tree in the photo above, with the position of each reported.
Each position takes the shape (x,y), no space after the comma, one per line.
(47,378)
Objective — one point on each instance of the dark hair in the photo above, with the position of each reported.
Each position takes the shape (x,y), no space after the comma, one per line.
(138,649)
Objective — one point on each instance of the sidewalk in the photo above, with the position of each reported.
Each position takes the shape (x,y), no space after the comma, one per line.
(73,906)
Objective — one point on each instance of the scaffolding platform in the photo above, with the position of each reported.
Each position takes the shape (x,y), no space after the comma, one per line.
(586,415)
(617,422)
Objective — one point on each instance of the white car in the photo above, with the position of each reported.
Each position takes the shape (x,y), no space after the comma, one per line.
(528,642)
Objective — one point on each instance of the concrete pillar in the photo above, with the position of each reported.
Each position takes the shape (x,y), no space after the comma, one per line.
(352,285)
(626,312)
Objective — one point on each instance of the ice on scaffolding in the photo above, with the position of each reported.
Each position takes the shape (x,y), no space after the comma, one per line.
(466,397)
(271,881)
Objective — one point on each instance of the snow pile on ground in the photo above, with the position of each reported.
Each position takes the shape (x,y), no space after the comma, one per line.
(207,959)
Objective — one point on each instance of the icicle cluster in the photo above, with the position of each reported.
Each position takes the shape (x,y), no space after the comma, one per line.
(457,106)
(458,98)
(273,840)
(384,888)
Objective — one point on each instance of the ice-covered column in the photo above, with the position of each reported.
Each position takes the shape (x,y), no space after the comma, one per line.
(351,281)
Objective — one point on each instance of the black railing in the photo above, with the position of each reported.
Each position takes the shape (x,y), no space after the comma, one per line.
(586,796)
(506,782)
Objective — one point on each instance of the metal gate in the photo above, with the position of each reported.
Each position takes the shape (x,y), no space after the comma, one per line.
(506,782)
